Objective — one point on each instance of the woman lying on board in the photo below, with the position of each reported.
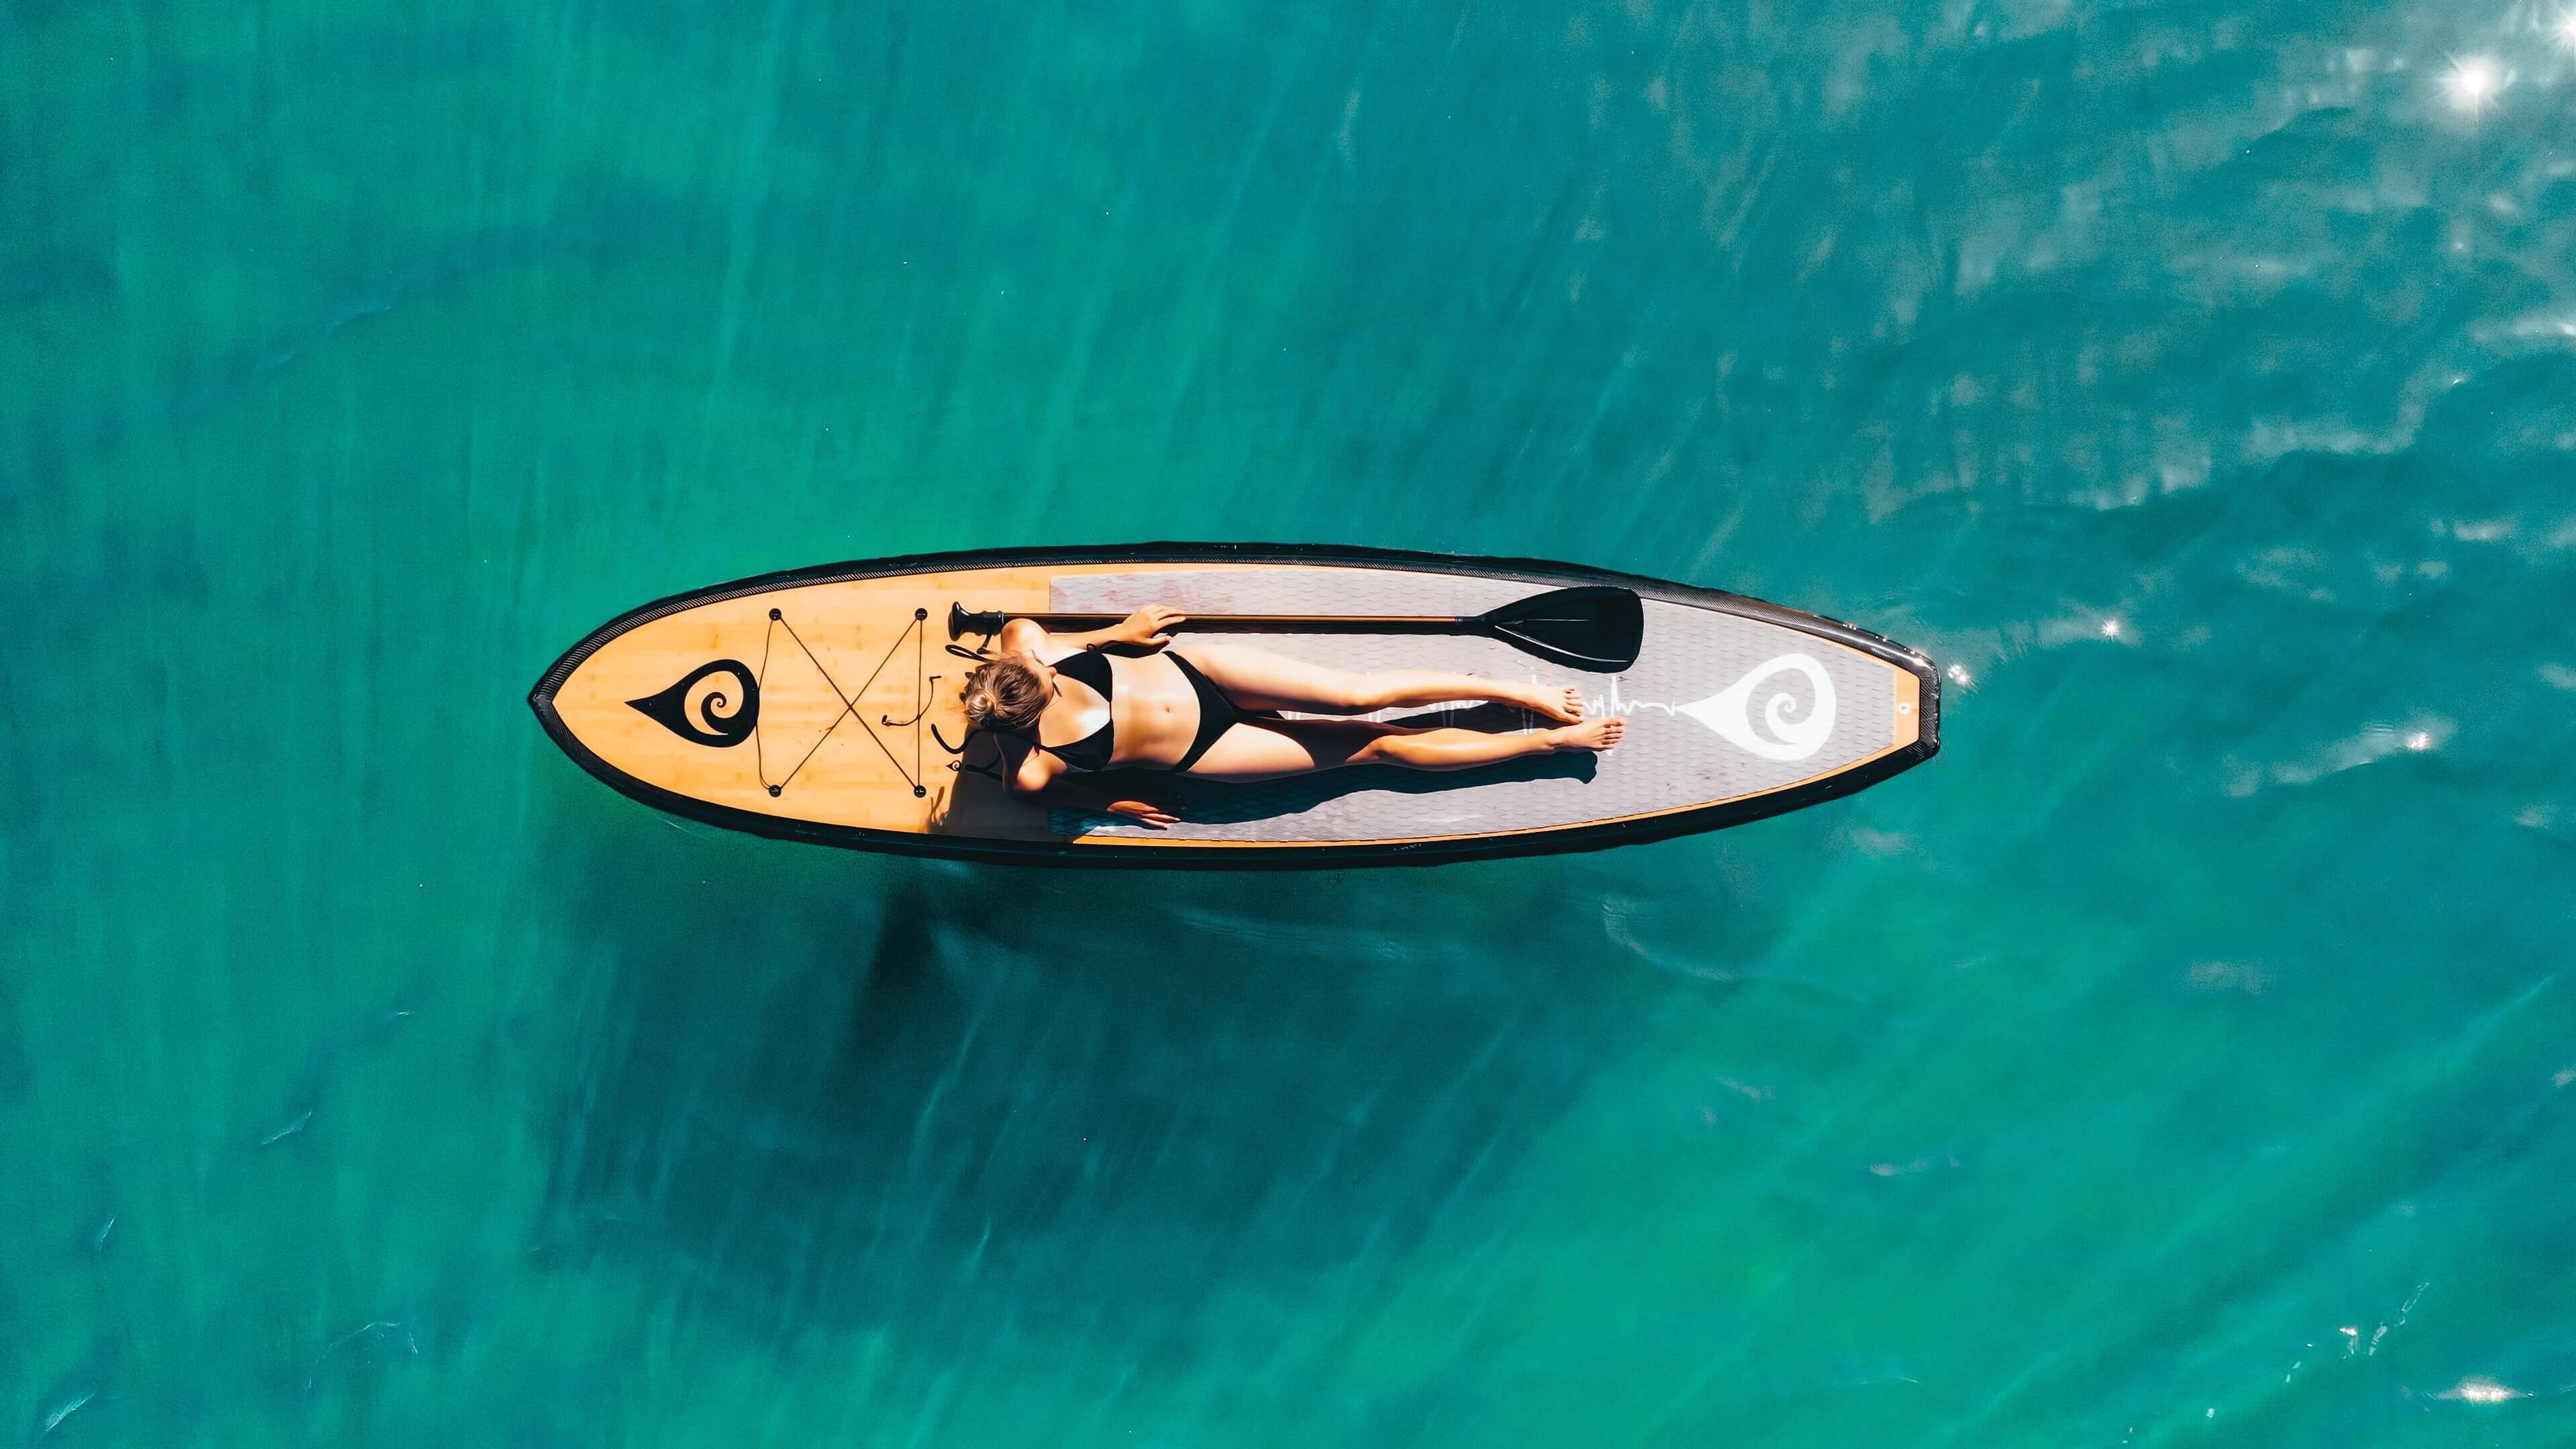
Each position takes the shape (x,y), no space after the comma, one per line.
(1059,705)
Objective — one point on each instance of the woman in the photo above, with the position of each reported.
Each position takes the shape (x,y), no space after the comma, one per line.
(1057,706)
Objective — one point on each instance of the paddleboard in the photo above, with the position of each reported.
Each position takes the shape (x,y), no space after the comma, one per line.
(822,705)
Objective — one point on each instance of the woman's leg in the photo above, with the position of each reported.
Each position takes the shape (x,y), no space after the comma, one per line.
(1259,679)
(1270,749)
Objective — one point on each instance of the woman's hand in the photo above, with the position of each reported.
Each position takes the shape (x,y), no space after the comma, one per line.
(1150,626)
(1145,813)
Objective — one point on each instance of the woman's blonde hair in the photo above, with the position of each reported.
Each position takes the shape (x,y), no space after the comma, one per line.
(1005,694)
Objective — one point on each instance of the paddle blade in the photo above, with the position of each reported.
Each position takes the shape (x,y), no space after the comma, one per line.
(1594,627)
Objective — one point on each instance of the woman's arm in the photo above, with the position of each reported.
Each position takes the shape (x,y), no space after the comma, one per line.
(1152,814)
(1041,776)
(1149,627)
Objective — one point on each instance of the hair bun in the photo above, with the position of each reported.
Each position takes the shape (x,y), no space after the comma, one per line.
(1003,694)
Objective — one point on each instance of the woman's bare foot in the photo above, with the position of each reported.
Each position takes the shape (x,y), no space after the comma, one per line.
(1558,704)
(1592,734)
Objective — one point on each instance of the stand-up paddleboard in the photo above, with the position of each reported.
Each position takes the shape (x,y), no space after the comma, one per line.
(822,704)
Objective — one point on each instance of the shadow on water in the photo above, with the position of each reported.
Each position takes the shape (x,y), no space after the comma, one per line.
(812,1085)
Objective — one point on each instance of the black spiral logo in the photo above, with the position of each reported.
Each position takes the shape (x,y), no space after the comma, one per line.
(717,721)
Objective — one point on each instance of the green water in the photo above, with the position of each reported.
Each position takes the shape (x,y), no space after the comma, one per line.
(2185,1056)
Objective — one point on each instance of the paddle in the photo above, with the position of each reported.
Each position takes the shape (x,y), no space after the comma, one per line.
(1594,627)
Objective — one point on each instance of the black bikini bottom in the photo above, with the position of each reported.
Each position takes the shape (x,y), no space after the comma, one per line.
(1217,714)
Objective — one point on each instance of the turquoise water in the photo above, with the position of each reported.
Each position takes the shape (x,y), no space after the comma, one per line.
(2185,1056)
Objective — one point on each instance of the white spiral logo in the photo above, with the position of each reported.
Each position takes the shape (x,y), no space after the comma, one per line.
(1729,711)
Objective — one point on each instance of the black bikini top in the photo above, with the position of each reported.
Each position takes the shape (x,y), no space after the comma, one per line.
(1092,751)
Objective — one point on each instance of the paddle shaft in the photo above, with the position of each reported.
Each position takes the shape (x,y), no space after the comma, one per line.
(1287,623)
(1593,627)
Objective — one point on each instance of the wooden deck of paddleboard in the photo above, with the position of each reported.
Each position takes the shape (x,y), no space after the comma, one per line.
(814,705)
